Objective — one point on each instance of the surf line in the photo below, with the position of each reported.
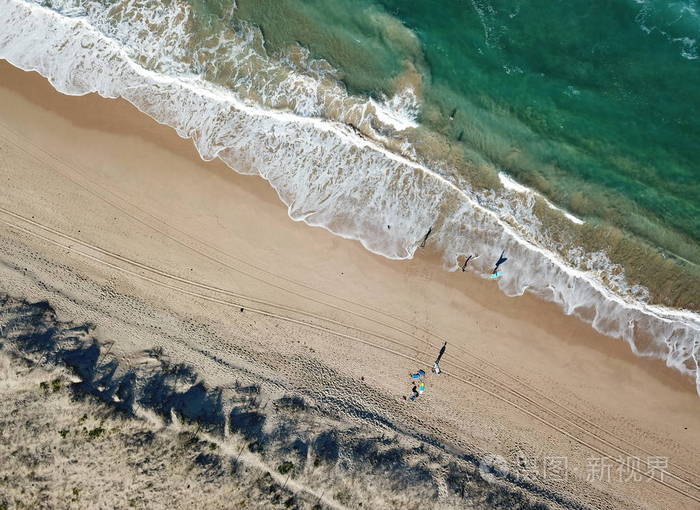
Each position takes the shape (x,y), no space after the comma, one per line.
(204,89)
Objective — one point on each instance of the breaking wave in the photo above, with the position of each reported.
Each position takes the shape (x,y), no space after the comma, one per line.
(338,161)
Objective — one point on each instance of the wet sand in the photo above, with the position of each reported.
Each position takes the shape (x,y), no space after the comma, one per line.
(115,220)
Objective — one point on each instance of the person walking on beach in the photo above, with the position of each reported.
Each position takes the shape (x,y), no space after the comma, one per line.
(436,365)
(425,239)
(466,261)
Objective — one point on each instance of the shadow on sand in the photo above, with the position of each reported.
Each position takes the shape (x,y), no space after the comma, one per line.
(284,428)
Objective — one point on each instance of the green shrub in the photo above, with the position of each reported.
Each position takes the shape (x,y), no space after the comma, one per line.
(343,496)
(96,432)
(285,467)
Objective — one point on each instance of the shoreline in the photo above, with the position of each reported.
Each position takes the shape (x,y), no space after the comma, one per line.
(266,192)
(558,355)
(359,204)
(260,189)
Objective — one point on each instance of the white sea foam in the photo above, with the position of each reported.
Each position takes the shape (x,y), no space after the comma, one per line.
(512,185)
(676,22)
(399,111)
(329,174)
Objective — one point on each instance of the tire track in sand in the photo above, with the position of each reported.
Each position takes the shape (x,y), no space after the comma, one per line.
(304,324)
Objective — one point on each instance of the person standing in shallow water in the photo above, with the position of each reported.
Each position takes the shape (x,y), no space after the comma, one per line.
(467,260)
(500,261)
(425,239)
(436,365)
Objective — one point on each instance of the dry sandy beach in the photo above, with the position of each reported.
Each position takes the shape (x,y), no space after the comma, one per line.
(119,225)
